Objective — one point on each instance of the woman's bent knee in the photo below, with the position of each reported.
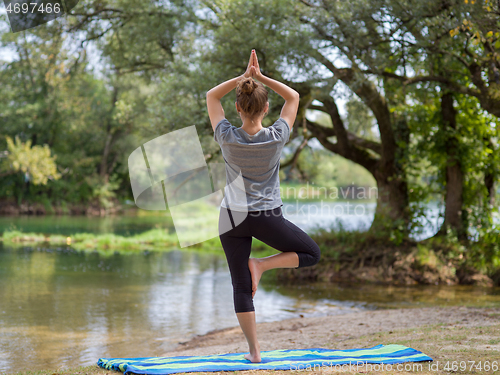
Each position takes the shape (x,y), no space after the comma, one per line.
(317,254)
(310,258)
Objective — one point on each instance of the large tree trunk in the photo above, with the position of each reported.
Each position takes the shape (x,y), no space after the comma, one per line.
(392,200)
(490,175)
(384,159)
(392,195)
(453,216)
(103,168)
(489,182)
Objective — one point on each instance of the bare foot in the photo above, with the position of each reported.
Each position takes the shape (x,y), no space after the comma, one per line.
(253,264)
(254,358)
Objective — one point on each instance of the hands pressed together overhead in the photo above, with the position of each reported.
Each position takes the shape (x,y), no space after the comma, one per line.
(253,69)
(214,95)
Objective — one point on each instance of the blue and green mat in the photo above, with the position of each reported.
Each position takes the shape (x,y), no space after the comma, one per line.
(289,359)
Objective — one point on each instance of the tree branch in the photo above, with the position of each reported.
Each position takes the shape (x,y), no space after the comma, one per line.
(365,143)
(367,91)
(293,159)
(431,78)
(360,156)
(352,138)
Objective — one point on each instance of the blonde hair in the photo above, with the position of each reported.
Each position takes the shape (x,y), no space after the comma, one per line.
(251,96)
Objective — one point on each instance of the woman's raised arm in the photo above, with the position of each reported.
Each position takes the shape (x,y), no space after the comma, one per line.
(214,106)
(292,97)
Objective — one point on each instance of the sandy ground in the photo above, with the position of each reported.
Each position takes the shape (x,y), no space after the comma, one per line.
(331,331)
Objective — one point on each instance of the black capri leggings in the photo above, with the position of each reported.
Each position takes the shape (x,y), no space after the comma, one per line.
(268,226)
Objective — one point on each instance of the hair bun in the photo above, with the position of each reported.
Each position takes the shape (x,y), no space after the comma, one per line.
(251,97)
(248,86)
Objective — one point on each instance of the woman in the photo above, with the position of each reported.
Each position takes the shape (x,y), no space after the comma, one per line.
(253,152)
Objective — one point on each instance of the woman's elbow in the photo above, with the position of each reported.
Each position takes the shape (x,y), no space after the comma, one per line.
(211,96)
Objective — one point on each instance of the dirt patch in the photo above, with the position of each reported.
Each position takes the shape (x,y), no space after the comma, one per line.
(460,340)
(335,331)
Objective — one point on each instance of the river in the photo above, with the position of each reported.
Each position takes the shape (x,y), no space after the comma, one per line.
(62,308)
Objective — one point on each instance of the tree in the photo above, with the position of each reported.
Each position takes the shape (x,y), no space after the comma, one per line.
(36,163)
(450,158)
(450,46)
(50,95)
(288,35)
(454,215)
(459,43)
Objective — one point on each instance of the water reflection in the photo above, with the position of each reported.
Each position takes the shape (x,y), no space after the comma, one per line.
(351,215)
(62,308)
(372,296)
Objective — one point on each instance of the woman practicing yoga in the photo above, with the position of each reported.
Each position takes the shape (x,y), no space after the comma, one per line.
(253,152)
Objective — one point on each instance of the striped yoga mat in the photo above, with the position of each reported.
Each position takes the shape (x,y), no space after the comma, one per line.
(289,359)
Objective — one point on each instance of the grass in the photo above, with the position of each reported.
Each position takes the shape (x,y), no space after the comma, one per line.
(155,239)
(434,260)
(454,349)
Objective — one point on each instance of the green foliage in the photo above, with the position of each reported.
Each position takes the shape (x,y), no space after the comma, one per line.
(158,60)
(91,124)
(35,162)
(103,191)
(427,257)
(429,152)
(484,252)
(479,255)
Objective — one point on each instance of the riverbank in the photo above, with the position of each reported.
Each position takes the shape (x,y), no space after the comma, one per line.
(449,335)
(368,257)
(361,257)
(151,240)
(290,192)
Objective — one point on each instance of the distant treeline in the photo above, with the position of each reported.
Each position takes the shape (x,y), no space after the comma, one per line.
(419,83)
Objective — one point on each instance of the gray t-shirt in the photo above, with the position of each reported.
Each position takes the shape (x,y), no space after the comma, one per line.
(257,158)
